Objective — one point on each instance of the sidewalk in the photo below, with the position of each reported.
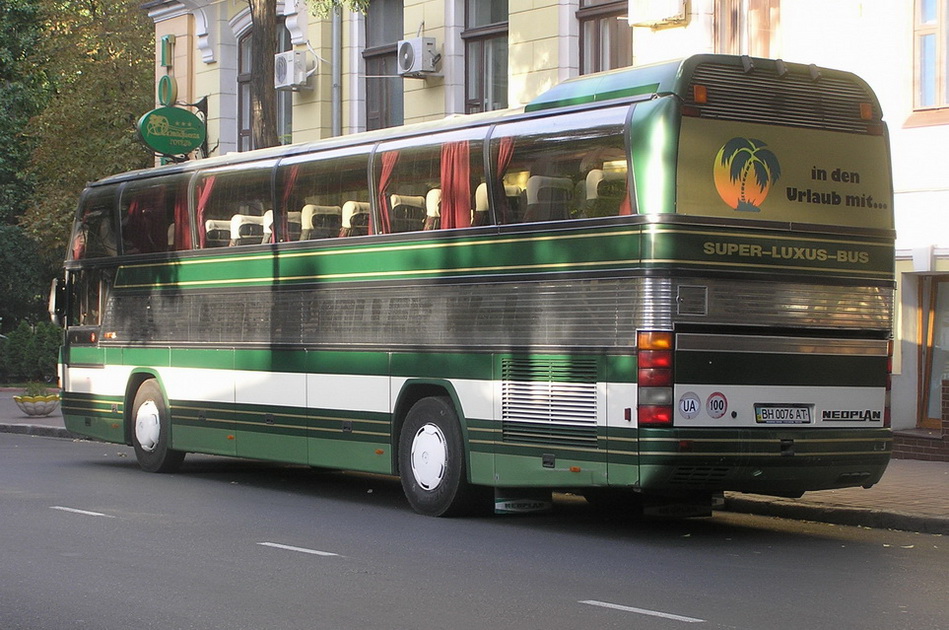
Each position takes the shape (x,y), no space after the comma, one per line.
(913,495)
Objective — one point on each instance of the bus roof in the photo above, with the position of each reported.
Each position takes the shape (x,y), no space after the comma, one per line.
(669,77)
(665,78)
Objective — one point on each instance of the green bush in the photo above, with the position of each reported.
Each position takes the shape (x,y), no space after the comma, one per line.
(30,353)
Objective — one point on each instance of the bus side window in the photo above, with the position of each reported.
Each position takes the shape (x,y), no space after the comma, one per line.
(151,211)
(88,290)
(94,230)
(567,167)
(231,207)
(324,197)
(433,186)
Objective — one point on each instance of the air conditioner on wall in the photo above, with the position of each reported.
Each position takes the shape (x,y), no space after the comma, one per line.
(289,70)
(417,56)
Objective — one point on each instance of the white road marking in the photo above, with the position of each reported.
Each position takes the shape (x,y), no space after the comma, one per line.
(314,552)
(642,611)
(75,511)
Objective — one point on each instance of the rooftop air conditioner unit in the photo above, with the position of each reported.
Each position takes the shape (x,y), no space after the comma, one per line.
(417,56)
(289,70)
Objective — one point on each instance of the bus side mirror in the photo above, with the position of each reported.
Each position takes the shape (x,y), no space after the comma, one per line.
(57,301)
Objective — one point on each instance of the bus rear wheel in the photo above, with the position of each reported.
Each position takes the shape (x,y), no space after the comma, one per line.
(432,460)
(151,431)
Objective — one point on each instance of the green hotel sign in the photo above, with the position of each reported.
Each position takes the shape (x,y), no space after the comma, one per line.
(171,130)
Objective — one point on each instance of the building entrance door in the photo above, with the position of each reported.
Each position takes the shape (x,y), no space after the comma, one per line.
(933,348)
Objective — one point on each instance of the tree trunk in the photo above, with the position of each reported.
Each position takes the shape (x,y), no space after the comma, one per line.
(263,96)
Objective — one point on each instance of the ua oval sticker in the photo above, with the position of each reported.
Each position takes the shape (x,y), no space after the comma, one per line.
(744,172)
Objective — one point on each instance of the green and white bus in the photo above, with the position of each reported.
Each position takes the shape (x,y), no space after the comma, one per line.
(655,283)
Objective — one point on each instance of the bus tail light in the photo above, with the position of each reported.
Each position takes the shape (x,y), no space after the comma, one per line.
(654,378)
(655,416)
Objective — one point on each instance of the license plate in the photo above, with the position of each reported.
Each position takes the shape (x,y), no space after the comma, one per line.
(773,413)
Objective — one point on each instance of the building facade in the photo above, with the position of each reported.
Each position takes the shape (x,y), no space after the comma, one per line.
(349,74)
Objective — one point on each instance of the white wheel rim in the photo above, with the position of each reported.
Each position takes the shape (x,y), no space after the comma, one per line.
(429,457)
(148,426)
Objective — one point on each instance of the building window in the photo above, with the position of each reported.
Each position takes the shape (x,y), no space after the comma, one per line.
(606,39)
(931,48)
(485,38)
(747,27)
(245,140)
(244,74)
(384,107)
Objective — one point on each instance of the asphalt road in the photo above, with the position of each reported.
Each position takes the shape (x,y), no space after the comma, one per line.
(89,541)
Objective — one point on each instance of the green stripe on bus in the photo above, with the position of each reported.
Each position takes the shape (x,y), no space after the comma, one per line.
(441,365)
(564,250)
(726,248)
(605,249)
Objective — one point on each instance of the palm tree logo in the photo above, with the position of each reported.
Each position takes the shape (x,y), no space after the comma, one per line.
(744,173)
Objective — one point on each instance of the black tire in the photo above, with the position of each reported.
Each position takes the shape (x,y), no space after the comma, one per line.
(432,461)
(151,427)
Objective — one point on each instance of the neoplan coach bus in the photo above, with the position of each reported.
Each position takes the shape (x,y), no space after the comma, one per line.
(656,283)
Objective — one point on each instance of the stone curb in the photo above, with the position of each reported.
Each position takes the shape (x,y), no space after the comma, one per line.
(838,515)
(39,430)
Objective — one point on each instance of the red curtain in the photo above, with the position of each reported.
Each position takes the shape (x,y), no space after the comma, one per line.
(79,241)
(385,178)
(625,206)
(182,219)
(456,185)
(505,155)
(146,225)
(292,174)
(204,195)
(133,229)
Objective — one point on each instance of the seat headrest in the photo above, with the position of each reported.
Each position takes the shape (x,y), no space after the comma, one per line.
(433,203)
(536,183)
(416,201)
(352,208)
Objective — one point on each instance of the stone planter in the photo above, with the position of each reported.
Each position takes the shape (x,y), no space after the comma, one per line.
(37,405)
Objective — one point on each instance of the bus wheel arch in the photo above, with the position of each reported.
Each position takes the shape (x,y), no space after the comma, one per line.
(431,458)
(150,429)
(412,392)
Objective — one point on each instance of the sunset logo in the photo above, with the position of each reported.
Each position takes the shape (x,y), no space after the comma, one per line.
(744,173)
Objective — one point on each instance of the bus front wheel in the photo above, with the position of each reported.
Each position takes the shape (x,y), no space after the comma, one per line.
(150,431)
(432,460)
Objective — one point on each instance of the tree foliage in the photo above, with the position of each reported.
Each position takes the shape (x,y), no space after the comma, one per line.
(22,94)
(101,53)
(322,8)
(23,278)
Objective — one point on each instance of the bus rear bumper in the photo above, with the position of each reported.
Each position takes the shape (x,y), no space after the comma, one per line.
(776,462)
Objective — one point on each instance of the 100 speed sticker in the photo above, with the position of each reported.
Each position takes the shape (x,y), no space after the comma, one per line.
(716,405)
